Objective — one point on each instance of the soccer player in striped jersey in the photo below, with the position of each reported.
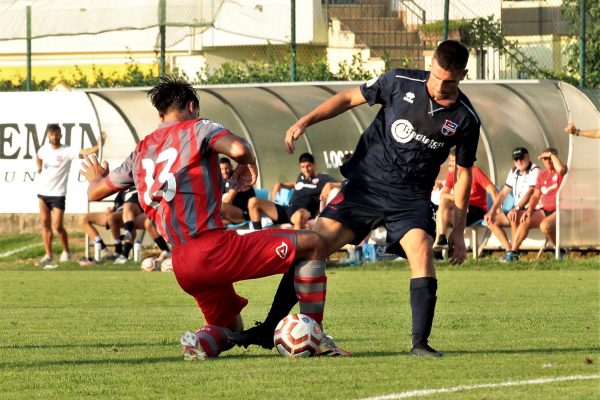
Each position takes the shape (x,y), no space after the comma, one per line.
(176,171)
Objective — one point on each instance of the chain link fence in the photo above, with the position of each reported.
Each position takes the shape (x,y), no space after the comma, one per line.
(116,43)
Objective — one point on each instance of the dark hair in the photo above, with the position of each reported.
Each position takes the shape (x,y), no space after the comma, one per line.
(452,152)
(172,93)
(53,128)
(304,157)
(451,55)
(224,160)
(551,150)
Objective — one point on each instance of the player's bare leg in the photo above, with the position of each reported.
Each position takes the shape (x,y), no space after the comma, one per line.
(61,232)
(444,215)
(46,227)
(300,218)
(257,207)
(497,229)
(423,287)
(333,236)
(548,228)
(524,227)
(232,214)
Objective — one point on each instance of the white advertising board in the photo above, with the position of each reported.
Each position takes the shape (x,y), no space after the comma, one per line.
(23,123)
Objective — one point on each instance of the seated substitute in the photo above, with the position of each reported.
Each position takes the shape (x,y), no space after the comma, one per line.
(234,207)
(331,189)
(111,219)
(521,181)
(133,219)
(548,183)
(480,186)
(304,204)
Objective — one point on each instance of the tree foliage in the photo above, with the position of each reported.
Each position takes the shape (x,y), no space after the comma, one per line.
(570,9)
(275,69)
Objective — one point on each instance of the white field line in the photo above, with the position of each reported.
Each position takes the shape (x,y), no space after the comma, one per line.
(427,392)
(17,250)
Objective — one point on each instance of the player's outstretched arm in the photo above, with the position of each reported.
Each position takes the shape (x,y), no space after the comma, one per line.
(330,108)
(591,133)
(95,173)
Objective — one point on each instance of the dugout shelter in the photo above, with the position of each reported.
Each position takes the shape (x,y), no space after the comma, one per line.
(528,113)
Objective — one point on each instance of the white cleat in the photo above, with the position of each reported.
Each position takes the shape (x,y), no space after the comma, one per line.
(192,350)
(46,259)
(121,259)
(329,348)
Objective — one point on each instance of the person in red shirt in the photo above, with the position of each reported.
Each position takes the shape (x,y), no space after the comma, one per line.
(176,171)
(548,183)
(480,186)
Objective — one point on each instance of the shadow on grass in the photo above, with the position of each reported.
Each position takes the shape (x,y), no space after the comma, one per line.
(132,361)
(254,356)
(523,351)
(117,346)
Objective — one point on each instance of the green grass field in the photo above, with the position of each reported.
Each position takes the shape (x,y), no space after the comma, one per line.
(110,331)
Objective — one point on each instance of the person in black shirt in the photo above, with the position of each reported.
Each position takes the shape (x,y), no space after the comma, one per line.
(234,208)
(391,173)
(305,200)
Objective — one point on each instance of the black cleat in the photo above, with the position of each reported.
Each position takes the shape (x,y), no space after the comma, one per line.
(441,244)
(258,335)
(424,350)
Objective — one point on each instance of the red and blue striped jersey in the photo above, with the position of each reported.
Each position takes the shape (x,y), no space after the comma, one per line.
(177,175)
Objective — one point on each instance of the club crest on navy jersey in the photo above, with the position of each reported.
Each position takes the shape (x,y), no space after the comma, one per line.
(449,128)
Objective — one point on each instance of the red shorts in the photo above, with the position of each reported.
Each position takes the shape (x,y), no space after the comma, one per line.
(207,267)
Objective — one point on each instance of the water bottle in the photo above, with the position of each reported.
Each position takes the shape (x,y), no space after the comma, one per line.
(359,254)
(369,252)
(97,251)
(137,251)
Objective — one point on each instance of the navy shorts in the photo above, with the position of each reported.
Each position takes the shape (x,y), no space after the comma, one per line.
(133,199)
(53,201)
(474,214)
(363,209)
(284,213)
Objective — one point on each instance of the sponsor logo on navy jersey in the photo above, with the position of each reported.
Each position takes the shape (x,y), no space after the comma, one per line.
(302,185)
(404,132)
(409,97)
(449,128)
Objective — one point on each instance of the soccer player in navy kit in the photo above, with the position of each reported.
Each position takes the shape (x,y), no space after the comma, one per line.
(391,173)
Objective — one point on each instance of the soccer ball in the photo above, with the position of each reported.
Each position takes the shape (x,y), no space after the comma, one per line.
(167,265)
(149,264)
(297,335)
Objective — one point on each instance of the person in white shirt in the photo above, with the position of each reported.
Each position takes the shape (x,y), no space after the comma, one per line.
(521,181)
(54,162)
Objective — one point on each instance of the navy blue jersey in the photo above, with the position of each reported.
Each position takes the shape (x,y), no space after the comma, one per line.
(307,191)
(412,135)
